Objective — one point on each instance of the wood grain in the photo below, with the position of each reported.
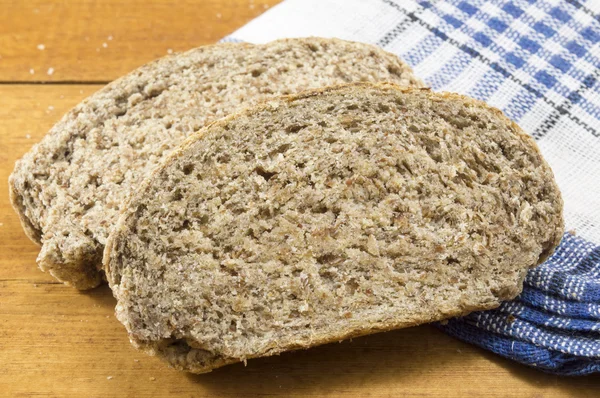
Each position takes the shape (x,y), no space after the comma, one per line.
(55,341)
(98,41)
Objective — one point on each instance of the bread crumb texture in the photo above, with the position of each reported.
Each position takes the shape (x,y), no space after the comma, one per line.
(328,215)
(69,189)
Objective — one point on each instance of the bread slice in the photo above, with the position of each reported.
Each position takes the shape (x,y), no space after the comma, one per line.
(327,215)
(69,189)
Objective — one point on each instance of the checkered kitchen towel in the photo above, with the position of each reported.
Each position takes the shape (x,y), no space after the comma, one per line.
(538,61)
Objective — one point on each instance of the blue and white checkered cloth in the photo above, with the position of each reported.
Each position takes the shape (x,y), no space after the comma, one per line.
(538,61)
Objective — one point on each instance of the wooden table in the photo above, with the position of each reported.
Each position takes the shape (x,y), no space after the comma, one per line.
(55,341)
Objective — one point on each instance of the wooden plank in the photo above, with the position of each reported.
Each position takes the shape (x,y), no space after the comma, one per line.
(98,41)
(55,341)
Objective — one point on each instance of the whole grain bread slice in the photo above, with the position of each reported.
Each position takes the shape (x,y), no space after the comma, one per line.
(327,215)
(68,190)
